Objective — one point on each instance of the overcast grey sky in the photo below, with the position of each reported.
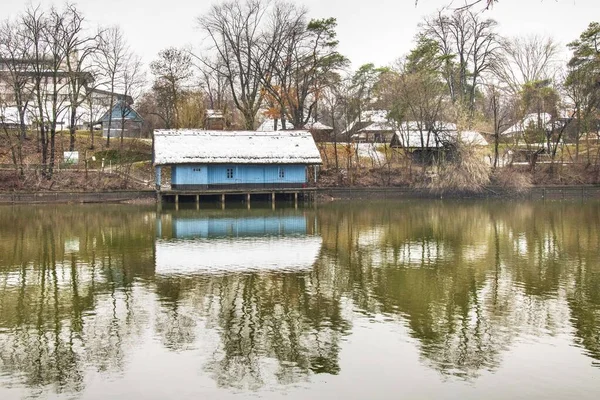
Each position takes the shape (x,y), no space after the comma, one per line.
(377,31)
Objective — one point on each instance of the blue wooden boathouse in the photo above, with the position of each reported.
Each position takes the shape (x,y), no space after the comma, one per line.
(228,161)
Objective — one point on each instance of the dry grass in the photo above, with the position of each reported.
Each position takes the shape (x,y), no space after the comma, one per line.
(64,180)
(466,172)
(512,179)
(74,178)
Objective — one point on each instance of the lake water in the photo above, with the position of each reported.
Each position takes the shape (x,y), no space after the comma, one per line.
(380,300)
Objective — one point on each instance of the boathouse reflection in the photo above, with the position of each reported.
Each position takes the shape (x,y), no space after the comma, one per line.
(250,278)
(191,243)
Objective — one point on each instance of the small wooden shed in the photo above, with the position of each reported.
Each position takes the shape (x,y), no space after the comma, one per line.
(234,159)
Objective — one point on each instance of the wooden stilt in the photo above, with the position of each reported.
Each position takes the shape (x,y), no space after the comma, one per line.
(296,200)
(273,200)
(223,201)
(248,200)
(176,202)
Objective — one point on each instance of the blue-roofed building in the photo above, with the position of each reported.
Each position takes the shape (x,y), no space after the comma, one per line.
(234,160)
(123,116)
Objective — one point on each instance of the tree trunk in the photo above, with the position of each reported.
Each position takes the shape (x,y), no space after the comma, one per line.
(577,134)
(248,119)
(72,128)
(52,152)
(110,108)
(122,130)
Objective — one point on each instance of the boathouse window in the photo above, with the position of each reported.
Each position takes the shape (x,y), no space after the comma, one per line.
(229,173)
(281,173)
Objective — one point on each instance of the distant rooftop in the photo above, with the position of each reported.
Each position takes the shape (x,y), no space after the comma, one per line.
(268,125)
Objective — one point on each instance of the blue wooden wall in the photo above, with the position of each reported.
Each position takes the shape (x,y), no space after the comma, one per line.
(187,228)
(242,174)
(189,175)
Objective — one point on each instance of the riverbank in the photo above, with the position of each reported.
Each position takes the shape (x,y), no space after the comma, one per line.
(120,196)
(323,194)
(533,193)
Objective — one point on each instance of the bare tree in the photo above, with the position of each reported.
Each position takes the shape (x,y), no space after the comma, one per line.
(526,59)
(112,55)
(14,53)
(214,84)
(500,110)
(131,81)
(44,33)
(234,30)
(79,48)
(467,44)
(57,87)
(302,60)
(33,23)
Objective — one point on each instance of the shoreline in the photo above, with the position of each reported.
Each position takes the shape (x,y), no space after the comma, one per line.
(323,194)
(117,196)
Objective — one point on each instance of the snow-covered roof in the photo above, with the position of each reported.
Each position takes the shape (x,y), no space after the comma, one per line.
(377,121)
(369,117)
(414,139)
(381,126)
(234,147)
(217,256)
(317,126)
(268,125)
(471,137)
(528,120)
(437,126)
(411,139)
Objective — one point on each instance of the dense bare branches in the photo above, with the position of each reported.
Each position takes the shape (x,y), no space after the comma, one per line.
(79,47)
(526,59)
(272,49)
(111,60)
(467,44)
(234,31)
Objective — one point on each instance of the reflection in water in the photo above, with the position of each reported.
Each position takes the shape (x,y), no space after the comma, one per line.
(62,308)
(249,278)
(269,298)
(214,245)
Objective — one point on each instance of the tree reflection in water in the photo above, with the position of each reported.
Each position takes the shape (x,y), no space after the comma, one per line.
(79,286)
(274,323)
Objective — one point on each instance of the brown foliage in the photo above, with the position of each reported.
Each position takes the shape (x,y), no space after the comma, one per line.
(467,171)
(512,179)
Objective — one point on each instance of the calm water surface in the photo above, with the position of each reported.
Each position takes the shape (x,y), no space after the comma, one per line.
(385,300)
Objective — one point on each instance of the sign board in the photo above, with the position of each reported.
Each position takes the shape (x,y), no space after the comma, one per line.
(71,157)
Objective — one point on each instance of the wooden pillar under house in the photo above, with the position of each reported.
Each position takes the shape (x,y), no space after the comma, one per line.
(159,202)
(197,202)
(176,202)
(273,200)
(223,201)
(296,200)
(248,200)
